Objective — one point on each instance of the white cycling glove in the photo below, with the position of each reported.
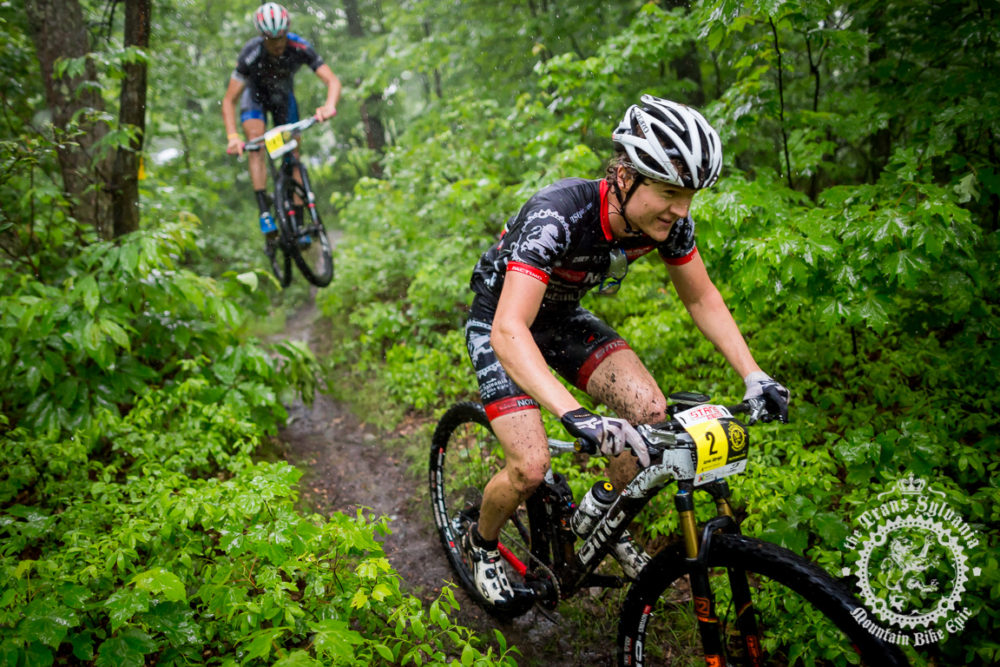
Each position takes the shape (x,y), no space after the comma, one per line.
(609,434)
(761,385)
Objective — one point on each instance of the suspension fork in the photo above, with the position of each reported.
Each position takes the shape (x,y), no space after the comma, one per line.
(697,548)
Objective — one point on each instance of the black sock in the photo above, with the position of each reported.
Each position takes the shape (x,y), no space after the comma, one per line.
(262,203)
(480,541)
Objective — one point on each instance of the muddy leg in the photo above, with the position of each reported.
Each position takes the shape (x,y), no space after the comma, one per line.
(525,446)
(622,383)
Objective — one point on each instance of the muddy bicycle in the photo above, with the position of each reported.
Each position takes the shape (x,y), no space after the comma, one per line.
(741,588)
(301,235)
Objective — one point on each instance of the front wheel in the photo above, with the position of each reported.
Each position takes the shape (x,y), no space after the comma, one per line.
(804,615)
(308,243)
(275,247)
(464,456)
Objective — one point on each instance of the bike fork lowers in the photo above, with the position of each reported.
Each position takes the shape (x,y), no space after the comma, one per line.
(697,550)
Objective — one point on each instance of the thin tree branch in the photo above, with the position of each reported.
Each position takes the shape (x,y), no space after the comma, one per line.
(781,103)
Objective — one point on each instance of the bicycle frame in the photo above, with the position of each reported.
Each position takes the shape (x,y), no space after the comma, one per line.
(576,569)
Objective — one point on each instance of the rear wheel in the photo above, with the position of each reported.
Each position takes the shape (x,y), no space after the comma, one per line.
(308,243)
(464,456)
(804,615)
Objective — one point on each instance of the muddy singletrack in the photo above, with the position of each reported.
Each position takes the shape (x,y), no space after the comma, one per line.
(348,466)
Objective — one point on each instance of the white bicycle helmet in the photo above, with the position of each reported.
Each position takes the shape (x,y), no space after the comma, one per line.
(658,132)
(271,20)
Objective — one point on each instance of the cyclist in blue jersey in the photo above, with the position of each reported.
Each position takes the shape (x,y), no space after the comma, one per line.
(262,84)
(571,237)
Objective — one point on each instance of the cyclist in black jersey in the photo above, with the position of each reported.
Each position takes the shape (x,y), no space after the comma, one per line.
(262,83)
(571,237)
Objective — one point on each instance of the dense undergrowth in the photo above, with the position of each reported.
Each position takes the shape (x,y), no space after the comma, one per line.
(140,521)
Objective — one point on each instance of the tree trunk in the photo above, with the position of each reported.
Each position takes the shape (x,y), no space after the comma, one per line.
(372,122)
(881,141)
(125,180)
(58,31)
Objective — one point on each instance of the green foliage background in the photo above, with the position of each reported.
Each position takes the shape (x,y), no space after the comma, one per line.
(853,234)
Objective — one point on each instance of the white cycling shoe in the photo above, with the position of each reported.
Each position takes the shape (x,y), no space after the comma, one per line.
(488,569)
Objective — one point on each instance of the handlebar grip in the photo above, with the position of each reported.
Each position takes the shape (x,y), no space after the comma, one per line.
(754,408)
(585,447)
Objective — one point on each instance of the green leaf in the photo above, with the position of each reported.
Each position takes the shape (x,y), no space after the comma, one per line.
(335,640)
(89,293)
(260,645)
(299,659)
(359,599)
(157,580)
(128,649)
(249,279)
(124,603)
(384,651)
(469,654)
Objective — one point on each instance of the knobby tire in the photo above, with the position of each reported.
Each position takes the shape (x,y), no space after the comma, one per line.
(308,243)
(464,456)
(649,614)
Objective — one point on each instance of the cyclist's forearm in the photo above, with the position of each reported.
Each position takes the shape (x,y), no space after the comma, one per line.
(713,319)
(232,94)
(332,84)
(228,118)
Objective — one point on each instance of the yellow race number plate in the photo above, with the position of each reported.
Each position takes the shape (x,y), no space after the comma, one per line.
(721,442)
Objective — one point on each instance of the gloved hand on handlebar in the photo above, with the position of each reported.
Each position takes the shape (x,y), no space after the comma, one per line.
(761,385)
(608,434)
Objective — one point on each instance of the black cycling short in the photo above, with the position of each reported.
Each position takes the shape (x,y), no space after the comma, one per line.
(281,105)
(572,340)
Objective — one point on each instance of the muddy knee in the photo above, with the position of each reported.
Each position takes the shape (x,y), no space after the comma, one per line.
(526,476)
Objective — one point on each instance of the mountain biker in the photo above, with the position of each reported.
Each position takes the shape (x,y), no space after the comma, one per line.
(263,83)
(573,236)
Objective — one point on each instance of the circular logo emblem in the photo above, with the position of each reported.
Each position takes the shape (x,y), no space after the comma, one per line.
(911,565)
(737,436)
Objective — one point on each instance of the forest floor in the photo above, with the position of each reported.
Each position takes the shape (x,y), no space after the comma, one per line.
(349,465)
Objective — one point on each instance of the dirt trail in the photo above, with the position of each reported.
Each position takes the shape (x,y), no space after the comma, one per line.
(346,467)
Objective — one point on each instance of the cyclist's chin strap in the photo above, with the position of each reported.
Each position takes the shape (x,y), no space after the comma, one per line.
(624,200)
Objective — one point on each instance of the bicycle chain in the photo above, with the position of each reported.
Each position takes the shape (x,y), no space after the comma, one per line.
(541,565)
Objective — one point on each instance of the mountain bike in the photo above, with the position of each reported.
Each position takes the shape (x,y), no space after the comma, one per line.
(739,594)
(300,239)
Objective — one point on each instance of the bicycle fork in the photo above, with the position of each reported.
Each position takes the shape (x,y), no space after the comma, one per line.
(697,549)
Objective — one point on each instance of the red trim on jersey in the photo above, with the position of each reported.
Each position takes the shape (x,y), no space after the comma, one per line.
(595,359)
(605,220)
(506,406)
(635,253)
(528,270)
(677,261)
(570,275)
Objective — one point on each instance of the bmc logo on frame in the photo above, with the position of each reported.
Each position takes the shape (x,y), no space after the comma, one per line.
(912,565)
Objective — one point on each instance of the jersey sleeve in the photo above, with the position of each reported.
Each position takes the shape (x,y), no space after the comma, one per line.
(248,54)
(679,246)
(305,52)
(536,244)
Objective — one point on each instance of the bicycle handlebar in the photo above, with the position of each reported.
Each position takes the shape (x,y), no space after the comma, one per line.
(257,143)
(755,408)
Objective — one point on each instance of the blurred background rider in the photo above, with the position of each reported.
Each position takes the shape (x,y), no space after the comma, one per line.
(263,83)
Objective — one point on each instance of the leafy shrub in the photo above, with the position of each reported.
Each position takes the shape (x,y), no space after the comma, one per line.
(136,526)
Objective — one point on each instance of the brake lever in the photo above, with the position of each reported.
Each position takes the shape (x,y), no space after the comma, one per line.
(757,411)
